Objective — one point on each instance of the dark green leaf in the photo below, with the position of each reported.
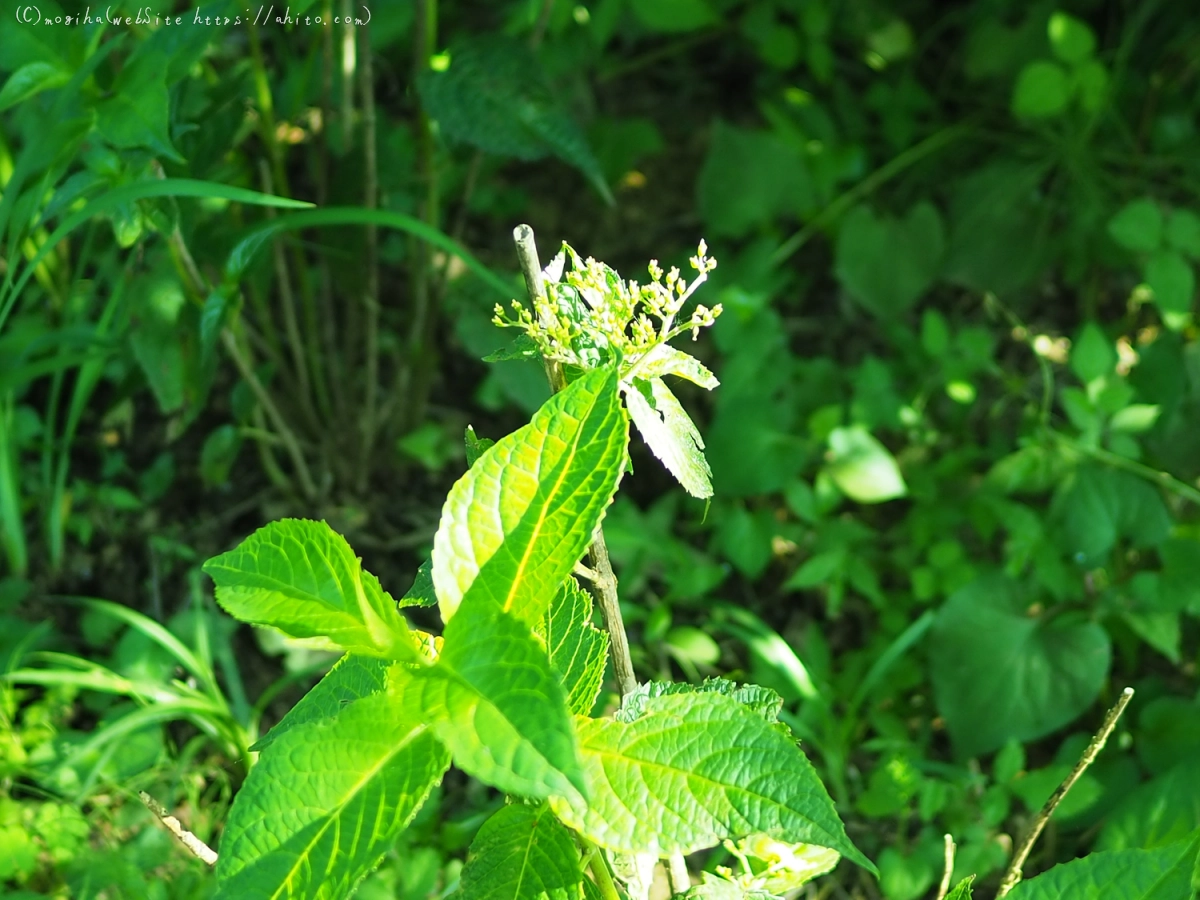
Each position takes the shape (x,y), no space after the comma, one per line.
(578,650)
(887,264)
(1001,673)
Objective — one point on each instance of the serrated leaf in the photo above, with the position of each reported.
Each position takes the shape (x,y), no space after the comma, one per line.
(670,433)
(1001,674)
(421,593)
(761,700)
(493,698)
(578,649)
(522,853)
(515,525)
(496,96)
(695,769)
(962,890)
(862,467)
(328,799)
(666,360)
(302,577)
(1161,874)
(351,679)
(1137,226)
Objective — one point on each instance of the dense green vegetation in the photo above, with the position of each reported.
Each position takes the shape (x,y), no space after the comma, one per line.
(946,504)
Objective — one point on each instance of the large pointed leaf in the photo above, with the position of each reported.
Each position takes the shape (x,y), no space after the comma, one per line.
(302,577)
(328,799)
(352,678)
(1000,673)
(694,770)
(522,853)
(515,525)
(1161,874)
(578,649)
(671,434)
(495,701)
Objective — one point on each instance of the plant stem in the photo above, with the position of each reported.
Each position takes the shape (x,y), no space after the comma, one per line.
(599,869)
(603,580)
(1013,873)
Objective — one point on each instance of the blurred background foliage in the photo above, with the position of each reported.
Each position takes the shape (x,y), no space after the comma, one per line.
(955,449)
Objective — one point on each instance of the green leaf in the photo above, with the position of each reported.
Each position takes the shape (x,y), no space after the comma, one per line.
(1071,39)
(675,15)
(888,263)
(578,650)
(136,113)
(522,853)
(1092,354)
(693,770)
(496,96)
(421,593)
(302,578)
(761,700)
(1098,507)
(962,890)
(1183,232)
(29,80)
(666,360)
(1157,813)
(750,178)
(328,799)
(1000,673)
(670,433)
(475,446)
(1172,280)
(515,525)
(219,453)
(1042,90)
(493,698)
(1138,226)
(862,468)
(352,678)
(1135,418)
(1161,874)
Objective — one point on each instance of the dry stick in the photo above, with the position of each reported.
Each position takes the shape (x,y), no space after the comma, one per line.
(604,582)
(1013,873)
(193,844)
(948,869)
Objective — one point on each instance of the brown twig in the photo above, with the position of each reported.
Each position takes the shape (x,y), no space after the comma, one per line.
(1013,874)
(191,843)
